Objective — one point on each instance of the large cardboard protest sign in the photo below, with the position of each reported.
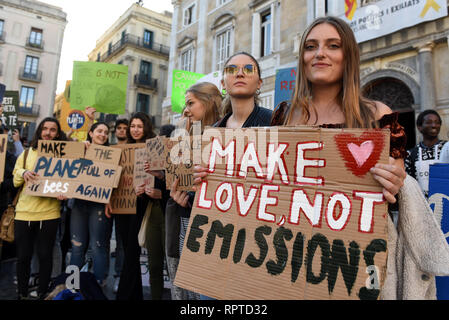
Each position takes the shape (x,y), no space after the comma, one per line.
(439,202)
(182,153)
(64,169)
(182,80)
(3,148)
(10,109)
(288,213)
(99,85)
(124,199)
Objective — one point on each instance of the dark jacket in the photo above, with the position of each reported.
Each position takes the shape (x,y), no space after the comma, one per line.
(7,189)
(260,117)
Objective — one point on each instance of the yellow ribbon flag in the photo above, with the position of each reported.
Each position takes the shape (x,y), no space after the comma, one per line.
(429,3)
(350,7)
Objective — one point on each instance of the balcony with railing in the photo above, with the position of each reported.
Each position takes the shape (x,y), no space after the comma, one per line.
(30,111)
(137,42)
(35,44)
(142,80)
(27,75)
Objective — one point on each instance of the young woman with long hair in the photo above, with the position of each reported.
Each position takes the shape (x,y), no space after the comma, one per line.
(327,93)
(89,226)
(37,218)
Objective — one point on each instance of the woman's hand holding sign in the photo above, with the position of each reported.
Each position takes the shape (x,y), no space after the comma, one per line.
(180,197)
(391,176)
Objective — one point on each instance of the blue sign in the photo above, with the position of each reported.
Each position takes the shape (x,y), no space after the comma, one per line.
(439,202)
(2,91)
(284,85)
(75,119)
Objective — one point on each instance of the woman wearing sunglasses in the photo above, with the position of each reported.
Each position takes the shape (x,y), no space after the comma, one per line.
(242,80)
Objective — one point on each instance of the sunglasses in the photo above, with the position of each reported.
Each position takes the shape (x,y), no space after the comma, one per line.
(247,69)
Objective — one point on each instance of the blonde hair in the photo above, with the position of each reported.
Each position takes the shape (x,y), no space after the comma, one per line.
(211,98)
(358,111)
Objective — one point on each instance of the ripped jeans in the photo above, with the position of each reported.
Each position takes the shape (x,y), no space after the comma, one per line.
(89,227)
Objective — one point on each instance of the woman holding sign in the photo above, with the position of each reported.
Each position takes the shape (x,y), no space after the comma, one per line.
(328,94)
(89,226)
(203,103)
(37,218)
(130,287)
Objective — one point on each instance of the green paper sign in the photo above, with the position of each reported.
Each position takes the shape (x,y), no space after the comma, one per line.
(182,80)
(99,85)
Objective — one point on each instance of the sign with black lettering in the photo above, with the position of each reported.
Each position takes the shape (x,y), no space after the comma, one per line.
(288,213)
(124,199)
(10,109)
(181,153)
(64,169)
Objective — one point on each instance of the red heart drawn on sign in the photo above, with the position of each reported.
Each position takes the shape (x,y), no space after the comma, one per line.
(362,153)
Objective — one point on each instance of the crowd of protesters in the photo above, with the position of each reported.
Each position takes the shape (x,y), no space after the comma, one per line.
(327,94)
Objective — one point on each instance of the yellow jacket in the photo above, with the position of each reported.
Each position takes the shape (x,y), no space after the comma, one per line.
(32,208)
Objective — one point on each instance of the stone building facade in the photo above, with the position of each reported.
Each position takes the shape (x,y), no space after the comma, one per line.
(139,39)
(206,32)
(31,36)
(406,68)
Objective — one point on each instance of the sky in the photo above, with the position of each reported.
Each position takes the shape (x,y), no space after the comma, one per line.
(87,20)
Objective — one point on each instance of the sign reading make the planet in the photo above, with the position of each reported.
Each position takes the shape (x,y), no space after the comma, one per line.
(99,85)
(64,168)
(288,213)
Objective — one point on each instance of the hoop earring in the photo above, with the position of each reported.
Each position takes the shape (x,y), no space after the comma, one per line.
(257,92)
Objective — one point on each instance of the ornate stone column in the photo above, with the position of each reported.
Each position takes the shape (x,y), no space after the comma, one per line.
(426,76)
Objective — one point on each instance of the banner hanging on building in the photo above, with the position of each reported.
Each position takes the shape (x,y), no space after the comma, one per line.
(387,16)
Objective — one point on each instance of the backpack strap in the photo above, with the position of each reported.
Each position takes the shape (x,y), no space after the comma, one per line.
(16,198)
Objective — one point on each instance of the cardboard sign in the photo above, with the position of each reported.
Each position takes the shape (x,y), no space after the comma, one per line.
(156,153)
(64,169)
(180,151)
(182,80)
(124,198)
(284,85)
(140,176)
(3,148)
(439,202)
(10,104)
(284,215)
(99,85)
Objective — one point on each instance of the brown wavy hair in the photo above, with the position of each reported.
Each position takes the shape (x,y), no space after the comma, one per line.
(211,98)
(358,111)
